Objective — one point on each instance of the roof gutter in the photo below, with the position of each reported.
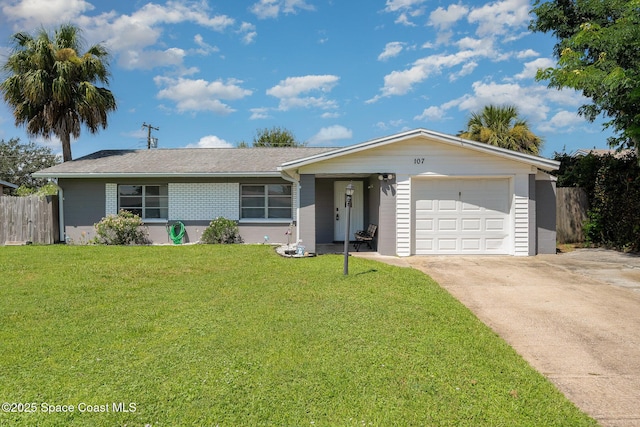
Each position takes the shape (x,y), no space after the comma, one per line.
(94,175)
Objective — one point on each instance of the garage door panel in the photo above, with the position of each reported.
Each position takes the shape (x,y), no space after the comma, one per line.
(470,207)
(495,224)
(471,244)
(447,225)
(425,244)
(474,224)
(424,225)
(447,205)
(493,244)
(462,216)
(424,205)
(448,245)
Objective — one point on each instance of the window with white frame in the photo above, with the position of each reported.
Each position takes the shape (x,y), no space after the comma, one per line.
(268,201)
(147,201)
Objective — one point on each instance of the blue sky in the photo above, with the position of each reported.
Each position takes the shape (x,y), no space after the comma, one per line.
(335,73)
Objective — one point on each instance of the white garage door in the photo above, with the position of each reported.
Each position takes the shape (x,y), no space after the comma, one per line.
(461,216)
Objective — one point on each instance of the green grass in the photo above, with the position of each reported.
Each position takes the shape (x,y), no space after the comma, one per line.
(236,335)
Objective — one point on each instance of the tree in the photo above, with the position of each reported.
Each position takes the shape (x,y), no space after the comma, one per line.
(51,85)
(598,53)
(275,137)
(18,161)
(501,126)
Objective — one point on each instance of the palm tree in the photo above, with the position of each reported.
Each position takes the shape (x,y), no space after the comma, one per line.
(51,85)
(501,126)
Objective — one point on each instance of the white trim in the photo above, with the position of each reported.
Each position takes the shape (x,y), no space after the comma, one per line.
(265,221)
(403,215)
(62,232)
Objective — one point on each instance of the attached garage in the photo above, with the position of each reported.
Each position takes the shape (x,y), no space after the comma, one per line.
(431,194)
(461,216)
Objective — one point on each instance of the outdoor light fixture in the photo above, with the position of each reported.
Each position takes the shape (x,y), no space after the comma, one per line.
(348,191)
(385,176)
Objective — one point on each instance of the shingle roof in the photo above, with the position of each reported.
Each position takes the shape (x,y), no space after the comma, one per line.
(181,161)
(7,184)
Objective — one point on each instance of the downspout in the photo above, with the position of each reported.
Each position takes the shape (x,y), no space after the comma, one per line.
(61,214)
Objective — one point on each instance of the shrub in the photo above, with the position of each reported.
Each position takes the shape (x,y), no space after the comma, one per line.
(125,228)
(612,184)
(221,230)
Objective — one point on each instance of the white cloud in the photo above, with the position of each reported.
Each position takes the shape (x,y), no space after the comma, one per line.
(445,18)
(500,16)
(200,95)
(211,141)
(259,113)
(328,135)
(401,82)
(528,53)
(36,13)
(531,68)
(432,113)
(398,5)
(132,35)
(466,70)
(265,9)
(205,48)
(290,91)
(390,50)
(406,9)
(148,59)
(531,101)
(563,120)
(248,32)
(403,19)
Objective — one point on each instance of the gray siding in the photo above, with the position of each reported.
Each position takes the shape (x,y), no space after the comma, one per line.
(546,216)
(83,205)
(307,213)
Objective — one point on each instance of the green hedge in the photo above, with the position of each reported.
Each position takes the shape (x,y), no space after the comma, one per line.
(612,184)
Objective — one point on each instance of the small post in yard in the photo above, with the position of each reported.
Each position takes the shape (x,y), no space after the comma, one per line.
(348,203)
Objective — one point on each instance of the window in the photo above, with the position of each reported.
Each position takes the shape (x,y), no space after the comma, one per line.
(271,201)
(148,201)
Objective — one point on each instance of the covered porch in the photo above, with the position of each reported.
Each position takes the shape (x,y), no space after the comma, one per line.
(323,212)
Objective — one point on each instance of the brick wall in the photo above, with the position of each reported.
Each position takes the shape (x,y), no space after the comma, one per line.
(204,201)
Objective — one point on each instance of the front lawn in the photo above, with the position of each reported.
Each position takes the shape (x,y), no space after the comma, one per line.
(235,335)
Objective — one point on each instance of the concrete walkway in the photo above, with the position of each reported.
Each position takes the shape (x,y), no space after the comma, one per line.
(574,317)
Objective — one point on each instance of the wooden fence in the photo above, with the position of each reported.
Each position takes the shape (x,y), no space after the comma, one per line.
(29,219)
(571,213)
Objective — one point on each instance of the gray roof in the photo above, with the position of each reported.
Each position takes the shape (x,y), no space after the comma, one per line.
(7,184)
(180,162)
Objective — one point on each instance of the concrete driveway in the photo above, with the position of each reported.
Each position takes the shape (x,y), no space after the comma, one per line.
(574,317)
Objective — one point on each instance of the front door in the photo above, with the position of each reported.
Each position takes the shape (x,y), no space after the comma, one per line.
(340,210)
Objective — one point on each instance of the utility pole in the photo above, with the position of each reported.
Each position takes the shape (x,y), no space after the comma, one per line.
(149,139)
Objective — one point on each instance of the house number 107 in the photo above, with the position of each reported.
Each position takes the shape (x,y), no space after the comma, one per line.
(418,160)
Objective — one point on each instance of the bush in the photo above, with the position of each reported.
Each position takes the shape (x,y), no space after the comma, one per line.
(221,230)
(125,228)
(612,184)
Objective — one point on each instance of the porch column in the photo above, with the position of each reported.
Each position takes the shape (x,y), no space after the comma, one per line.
(307,214)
